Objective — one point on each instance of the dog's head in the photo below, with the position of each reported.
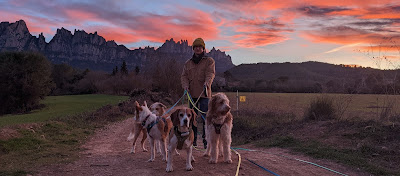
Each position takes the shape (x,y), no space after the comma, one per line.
(158,108)
(141,112)
(183,117)
(219,104)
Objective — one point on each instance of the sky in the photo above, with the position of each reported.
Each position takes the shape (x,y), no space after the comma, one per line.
(351,32)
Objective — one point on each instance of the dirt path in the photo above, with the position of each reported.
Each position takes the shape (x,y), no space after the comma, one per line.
(107,153)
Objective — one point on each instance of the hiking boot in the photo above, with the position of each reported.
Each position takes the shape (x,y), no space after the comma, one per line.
(205,143)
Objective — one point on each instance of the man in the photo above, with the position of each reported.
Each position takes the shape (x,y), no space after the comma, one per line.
(197,77)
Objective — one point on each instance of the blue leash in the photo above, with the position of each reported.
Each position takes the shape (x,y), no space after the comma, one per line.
(184,92)
(154,123)
(293,159)
(262,167)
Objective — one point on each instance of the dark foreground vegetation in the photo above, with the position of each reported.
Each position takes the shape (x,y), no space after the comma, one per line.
(369,145)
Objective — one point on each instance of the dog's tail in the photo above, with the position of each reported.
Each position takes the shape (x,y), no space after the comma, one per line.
(130,137)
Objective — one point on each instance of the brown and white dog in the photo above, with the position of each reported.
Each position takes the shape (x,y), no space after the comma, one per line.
(135,132)
(218,128)
(182,136)
(157,128)
(158,109)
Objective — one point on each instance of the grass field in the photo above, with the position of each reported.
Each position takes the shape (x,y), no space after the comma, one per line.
(57,106)
(363,135)
(265,119)
(355,106)
(63,126)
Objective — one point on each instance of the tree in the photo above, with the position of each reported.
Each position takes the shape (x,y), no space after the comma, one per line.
(124,69)
(137,70)
(115,71)
(24,80)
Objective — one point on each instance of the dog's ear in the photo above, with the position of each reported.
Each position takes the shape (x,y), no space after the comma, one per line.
(175,118)
(145,103)
(212,104)
(137,106)
(194,118)
(163,106)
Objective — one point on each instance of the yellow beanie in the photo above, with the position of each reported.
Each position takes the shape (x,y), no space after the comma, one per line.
(199,42)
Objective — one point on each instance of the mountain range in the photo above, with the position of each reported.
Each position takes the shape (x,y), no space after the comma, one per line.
(90,50)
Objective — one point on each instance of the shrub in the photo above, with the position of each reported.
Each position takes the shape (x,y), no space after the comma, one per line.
(321,108)
(24,80)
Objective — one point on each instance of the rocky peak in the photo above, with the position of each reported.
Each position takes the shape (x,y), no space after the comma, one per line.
(170,46)
(20,27)
(62,36)
(80,36)
(14,36)
(111,43)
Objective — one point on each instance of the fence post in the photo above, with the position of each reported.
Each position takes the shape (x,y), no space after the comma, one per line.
(237,102)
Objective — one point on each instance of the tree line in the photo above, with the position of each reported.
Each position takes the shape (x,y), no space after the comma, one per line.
(27,77)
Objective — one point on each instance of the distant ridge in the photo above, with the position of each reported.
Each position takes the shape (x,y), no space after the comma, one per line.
(83,50)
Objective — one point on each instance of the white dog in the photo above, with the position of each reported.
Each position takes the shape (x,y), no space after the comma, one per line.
(157,128)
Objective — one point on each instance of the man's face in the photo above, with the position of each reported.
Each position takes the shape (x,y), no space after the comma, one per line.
(198,50)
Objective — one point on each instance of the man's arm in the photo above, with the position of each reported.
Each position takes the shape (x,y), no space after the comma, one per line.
(210,72)
(184,78)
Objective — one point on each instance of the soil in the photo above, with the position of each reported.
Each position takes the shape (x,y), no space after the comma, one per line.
(108,153)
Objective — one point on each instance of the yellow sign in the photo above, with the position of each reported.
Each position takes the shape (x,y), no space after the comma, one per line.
(242,98)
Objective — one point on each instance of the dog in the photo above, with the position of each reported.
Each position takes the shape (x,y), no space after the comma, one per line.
(182,135)
(219,128)
(158,109)
(135,132)
(157,128)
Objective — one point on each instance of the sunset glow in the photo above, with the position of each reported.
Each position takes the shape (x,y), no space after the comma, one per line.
(338,31)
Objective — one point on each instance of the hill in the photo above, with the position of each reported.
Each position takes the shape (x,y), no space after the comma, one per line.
(310,77)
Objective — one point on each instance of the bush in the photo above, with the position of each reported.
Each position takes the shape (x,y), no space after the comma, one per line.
(321,108)
(24,80)
(66,80)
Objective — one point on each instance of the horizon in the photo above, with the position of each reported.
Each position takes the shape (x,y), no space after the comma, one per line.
(335,32)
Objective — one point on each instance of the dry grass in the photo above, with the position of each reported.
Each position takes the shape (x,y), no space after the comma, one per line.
(350,107)
(363,135)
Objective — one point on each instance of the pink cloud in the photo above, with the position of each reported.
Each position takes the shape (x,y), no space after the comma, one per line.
(342,35)
(80,14)
(34,24)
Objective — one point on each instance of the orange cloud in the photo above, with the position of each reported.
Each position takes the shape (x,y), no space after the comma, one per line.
(344,35)
(118,34)
(195,23)
(385,47)
(257,39)
(80,14)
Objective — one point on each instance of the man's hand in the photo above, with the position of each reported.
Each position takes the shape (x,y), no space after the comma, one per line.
(206,84)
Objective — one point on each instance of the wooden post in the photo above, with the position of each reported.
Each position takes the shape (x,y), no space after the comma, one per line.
(237,102)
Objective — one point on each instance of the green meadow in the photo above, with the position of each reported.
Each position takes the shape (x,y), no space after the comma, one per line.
(55,133)
(60,106)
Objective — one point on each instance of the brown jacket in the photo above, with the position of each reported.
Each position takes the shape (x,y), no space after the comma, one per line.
(195,75)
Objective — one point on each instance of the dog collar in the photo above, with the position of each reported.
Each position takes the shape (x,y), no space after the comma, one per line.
(217,128)
(181,139)
(144,121)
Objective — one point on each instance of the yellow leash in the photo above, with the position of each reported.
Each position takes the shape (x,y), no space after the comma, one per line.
(191,101)
(237,153)
(240,160)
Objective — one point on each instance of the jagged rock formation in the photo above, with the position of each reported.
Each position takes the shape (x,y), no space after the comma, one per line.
(90,50)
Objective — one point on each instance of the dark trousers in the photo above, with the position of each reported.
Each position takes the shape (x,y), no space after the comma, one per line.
(202,104)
